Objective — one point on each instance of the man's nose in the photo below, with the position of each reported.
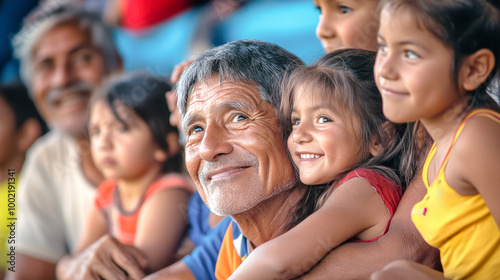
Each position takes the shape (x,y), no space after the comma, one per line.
(63,75)
(301,134)
(215,142)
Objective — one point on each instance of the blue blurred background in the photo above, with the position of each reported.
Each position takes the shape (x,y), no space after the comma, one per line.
(288,23)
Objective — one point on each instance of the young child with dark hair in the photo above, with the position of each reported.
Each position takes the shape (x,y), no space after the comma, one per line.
(143,201)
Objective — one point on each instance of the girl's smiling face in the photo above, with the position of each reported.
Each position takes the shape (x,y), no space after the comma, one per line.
(347,23)
(323,142)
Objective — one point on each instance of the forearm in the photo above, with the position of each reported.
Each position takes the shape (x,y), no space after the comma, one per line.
(402,241)
(360,260)
(176,271)
(30,268)
(261,268)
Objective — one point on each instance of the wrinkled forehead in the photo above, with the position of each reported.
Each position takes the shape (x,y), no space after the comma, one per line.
(80,38)
(215,91)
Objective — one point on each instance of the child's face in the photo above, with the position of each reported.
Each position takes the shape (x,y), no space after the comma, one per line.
(413,70)
(322,144)
(347,23)
(125,152)
(8,134)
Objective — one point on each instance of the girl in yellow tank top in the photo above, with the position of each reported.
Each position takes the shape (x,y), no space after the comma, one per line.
(436,60)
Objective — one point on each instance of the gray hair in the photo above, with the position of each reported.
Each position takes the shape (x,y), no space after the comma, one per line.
(44,18)
(251,61)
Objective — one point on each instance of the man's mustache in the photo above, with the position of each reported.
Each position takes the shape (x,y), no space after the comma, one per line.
(56,93)
(227,161)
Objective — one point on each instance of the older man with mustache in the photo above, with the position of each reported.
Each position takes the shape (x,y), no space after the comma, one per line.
(235,153)
(65,54)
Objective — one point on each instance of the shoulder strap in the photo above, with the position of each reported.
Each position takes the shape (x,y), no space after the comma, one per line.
(167,182)
(478,112)
(104,195)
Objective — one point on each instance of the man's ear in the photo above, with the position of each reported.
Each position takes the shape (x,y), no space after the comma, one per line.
(476,68)
(28,133)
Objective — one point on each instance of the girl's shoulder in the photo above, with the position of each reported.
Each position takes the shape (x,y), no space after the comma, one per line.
(482,115)
(384,186)
(170,181)
(373,176)
(104,194)
(477,131)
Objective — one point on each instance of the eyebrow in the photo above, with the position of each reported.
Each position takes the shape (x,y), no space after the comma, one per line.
(71,52)
(318,107)
(81,47)
(229,105)
(235,104)
(189,119)
(406,42)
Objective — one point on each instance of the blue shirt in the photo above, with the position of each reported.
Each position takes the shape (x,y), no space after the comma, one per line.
(203,259)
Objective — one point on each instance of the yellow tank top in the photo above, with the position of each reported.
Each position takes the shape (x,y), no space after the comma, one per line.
(461,227)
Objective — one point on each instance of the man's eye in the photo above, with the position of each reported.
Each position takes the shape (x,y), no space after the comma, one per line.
(45,66)
(83,57)
(195,129)
(239,118)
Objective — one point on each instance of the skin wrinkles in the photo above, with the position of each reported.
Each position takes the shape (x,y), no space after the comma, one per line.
(232,132)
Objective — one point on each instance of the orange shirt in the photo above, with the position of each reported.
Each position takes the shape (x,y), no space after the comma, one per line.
(123,225)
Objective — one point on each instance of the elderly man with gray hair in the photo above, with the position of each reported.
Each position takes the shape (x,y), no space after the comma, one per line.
(235,153)
(65,53)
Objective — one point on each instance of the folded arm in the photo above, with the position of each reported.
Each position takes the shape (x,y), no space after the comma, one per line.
(402,241)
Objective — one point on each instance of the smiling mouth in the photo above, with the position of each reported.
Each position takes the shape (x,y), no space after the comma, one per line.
(226,173)
(70,99)
(308,156)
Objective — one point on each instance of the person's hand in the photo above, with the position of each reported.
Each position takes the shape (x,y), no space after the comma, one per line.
(106,259)
(179,69)
(175,115)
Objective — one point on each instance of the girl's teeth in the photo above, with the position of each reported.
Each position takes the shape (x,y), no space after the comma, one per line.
(308,156)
